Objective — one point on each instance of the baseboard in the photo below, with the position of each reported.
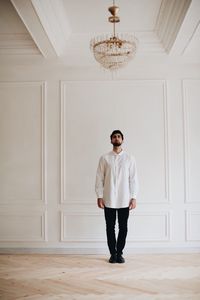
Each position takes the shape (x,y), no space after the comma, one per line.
(95,251)
(73,251)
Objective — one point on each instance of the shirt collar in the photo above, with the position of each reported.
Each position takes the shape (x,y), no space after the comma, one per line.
(120,153)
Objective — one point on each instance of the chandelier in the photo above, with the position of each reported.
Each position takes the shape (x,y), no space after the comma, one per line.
(116,50)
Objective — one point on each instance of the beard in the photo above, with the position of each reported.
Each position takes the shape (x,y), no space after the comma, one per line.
(116,144)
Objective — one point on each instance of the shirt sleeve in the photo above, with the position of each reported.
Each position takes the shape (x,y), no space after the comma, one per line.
(99,185)
(133,179)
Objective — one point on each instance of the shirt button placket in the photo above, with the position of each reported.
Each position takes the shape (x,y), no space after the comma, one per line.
(115,173)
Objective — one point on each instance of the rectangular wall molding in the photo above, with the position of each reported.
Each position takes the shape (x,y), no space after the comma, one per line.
(31,96)
(90,227)
(83,227)
(67,89)
(150,226)
(23,226)
(192,225)
(191,123)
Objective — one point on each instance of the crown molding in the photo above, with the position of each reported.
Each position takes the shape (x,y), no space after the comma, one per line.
(31,20)
(169,21)
(47,24)
(188,39)
(55,23)
(20,43)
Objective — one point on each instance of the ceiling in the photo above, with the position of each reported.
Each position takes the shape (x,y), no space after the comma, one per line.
(91,16)
(62,29)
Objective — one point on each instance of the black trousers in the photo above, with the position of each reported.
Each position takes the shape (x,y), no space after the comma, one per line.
(116,246)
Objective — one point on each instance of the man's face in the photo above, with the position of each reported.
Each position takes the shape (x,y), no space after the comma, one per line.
(116,140)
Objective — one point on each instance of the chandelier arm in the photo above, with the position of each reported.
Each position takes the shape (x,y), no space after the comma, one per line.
(131,43)
(111,55)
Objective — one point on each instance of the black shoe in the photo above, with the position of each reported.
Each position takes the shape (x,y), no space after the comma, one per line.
(120,259)
(113,259)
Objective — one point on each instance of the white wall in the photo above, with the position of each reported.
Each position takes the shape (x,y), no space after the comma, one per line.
(55,122)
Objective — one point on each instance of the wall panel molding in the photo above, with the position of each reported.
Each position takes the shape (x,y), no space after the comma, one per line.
(42,86)
(73,232)
(187,140)
(154,226)
(192,223)
(23,226)
(65,199)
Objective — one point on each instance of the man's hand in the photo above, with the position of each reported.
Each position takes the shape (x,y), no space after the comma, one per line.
(132,204)
(100,203)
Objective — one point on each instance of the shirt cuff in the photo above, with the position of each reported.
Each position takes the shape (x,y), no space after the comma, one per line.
(99,195)
(133,196)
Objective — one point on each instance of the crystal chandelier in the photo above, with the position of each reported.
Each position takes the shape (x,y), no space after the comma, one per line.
(116,50)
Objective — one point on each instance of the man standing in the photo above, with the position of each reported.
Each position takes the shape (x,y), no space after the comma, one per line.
(116,188)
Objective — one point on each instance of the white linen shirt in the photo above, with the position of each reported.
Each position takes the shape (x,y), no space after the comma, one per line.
(116,179)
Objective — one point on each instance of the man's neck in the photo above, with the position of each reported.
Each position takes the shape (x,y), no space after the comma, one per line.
(117,149)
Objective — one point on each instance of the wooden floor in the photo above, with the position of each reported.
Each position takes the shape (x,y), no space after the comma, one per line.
(91,277)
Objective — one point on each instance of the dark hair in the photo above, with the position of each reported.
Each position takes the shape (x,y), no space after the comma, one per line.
(116,132)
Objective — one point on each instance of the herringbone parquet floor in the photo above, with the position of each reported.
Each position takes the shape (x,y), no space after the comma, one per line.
(91,277)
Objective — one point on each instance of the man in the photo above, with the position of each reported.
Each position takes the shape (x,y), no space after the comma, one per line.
(116,188)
